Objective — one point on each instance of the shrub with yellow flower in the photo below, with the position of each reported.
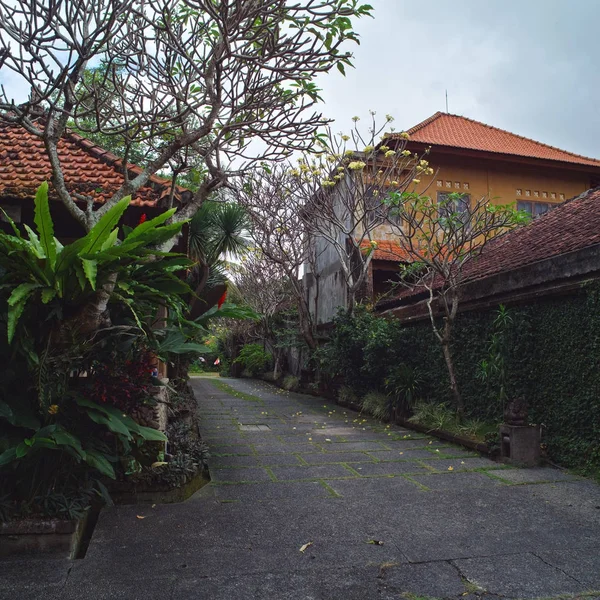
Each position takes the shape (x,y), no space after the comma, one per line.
(357,165)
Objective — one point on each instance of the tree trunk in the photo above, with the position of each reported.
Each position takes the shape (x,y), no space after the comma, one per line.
(93,315)
(458,401)
(305,323)
(350,304)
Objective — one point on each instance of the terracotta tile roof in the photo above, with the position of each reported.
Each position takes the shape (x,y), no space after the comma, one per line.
(442,129)
(571,226)
(387,250)
(88,169)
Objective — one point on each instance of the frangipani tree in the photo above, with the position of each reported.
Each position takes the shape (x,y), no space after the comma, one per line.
(273,197)
(265,287)
(336,196)
(232,82)
(441,237)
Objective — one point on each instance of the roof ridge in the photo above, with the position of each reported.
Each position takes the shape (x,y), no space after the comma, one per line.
(439,114)
(522,137)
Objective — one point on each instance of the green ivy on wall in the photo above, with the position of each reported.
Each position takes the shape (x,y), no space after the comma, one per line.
(552,360)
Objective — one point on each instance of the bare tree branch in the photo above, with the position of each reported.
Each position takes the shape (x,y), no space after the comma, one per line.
(233,80)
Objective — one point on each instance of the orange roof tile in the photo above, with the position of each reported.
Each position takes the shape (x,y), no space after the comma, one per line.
(442,129)
(88,169)
(387,250)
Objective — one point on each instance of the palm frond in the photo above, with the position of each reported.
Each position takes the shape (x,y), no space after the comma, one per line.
(218,228)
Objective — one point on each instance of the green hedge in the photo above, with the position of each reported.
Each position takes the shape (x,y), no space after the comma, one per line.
(553,361)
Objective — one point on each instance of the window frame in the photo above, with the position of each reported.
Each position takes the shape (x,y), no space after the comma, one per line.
(534,205)
(465,200)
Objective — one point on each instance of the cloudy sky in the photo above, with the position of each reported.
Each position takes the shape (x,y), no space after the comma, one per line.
(529,66)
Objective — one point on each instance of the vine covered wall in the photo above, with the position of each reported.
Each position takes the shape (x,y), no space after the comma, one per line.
(551,356)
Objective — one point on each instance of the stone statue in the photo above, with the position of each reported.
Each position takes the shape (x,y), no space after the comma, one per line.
(516,412)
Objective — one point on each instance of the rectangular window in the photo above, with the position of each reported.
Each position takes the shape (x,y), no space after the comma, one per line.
(372,206)
(526,206)
(375,210)
(535,209)
(453,203)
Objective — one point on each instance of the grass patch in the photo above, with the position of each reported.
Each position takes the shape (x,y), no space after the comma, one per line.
(329,489)
(224,387)
(350,469)
(271,474)
(419,485)
(212,374)
(444,418)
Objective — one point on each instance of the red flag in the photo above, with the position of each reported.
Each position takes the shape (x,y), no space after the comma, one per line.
(222,299)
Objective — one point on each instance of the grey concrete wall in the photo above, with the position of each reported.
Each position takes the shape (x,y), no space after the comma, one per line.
(332,290)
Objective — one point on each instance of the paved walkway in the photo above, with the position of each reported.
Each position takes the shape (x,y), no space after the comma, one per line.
(311,502)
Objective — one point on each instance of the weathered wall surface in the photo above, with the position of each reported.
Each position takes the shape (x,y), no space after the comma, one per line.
(331,291)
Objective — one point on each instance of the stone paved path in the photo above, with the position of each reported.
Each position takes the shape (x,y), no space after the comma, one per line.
(291,470)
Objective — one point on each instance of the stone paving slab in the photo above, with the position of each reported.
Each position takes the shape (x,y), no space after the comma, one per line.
(462,464)
(215,462)
(17,582)
(434,579)
(455,481)
(231,449)
(534,475)
(443,533)
(371,488)
(337,457)
(579,563)
(281,448)
(353,446)
(388,468)
(248,474)
(518,575)
(312,472)
(314,585)
(261,493)
(146,589)
(397,455)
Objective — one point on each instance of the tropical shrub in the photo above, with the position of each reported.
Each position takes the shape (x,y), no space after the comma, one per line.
(404,385)
(291,383)
(76,324)
(381,406)
(362,349)
(254,359)
(346,395)
(444,417)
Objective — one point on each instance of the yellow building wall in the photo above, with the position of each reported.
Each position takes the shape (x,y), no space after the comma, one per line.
(504,183)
